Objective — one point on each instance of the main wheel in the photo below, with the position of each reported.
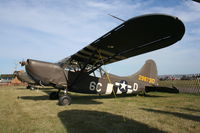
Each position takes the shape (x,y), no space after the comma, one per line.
(53,95)
(32,88)
(65,100)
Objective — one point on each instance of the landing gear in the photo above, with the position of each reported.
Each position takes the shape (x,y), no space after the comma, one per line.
(54,95)
(64,99)
(30,87)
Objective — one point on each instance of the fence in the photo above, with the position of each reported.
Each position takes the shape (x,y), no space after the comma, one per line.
(184,86)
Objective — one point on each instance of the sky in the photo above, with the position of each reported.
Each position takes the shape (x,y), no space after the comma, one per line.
(50,30)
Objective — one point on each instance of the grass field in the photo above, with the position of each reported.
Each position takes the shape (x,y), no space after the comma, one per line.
(25,111)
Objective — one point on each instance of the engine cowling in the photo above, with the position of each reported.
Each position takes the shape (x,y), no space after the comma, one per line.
(46,73)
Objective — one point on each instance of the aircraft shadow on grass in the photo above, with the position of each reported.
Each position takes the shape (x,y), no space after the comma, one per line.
(83,99)
(43,97)
(177,114)
(76,99)
(82,121)
(189,109)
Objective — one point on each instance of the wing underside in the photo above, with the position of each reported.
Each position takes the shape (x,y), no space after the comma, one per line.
(134,37)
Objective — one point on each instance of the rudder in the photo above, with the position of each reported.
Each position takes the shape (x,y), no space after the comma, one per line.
(148,73)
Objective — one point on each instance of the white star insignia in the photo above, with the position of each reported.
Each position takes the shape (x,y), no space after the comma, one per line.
(123,85)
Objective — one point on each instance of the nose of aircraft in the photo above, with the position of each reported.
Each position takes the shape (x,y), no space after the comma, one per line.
(45,72)
(23,63)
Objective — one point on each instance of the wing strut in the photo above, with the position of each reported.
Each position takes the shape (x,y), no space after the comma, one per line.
(102,63)
(107,75)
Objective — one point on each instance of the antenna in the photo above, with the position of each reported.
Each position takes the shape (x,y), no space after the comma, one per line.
(116,17)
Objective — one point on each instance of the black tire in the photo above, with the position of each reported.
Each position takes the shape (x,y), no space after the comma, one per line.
(53,95)
(64,100)
(32,88)
(28,87)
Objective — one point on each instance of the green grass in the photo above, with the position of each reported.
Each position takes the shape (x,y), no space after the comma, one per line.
(188,86)
(25,111)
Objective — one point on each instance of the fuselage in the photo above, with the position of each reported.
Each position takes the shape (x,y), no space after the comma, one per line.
(108,84)
(76,81)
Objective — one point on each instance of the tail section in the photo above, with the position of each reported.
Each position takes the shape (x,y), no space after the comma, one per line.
(148,73)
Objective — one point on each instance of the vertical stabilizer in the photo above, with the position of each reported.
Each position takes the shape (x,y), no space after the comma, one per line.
(148,73)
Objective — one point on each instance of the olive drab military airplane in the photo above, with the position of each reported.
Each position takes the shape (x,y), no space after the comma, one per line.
(24,77)
(135,36)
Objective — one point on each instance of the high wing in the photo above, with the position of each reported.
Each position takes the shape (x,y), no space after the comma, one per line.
(133,37)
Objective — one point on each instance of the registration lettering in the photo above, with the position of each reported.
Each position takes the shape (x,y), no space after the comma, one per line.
(146,79)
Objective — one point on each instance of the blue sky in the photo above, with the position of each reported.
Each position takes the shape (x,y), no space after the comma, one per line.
(51,30)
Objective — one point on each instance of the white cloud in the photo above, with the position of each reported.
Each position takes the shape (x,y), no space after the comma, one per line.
(99,5)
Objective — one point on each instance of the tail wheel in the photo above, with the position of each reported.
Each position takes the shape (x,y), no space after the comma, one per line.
(64,100)
(30,87)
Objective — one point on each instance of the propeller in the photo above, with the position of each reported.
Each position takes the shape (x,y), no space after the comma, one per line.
(16,70)
(23,63)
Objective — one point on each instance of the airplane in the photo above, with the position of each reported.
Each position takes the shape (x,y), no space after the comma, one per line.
(24,77)
(133,37)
